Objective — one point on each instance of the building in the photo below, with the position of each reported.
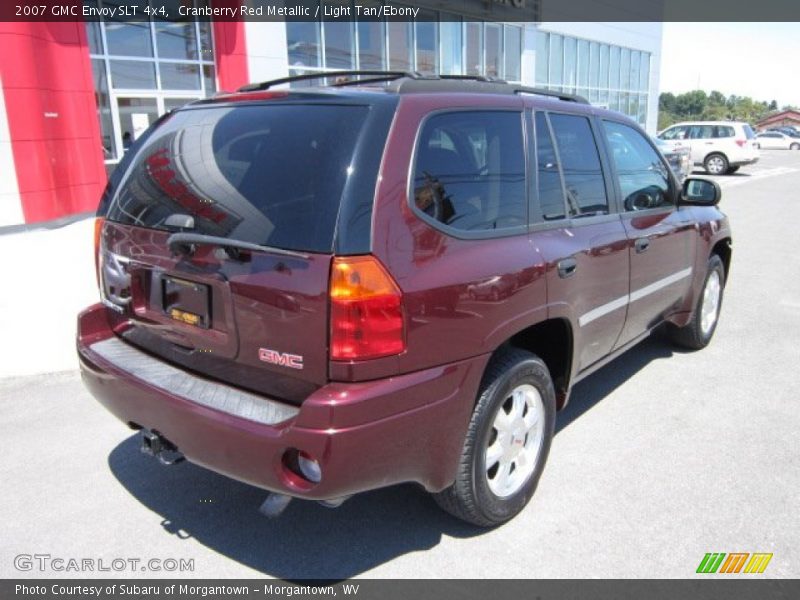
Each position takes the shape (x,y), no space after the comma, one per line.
(77,94)
(783,118)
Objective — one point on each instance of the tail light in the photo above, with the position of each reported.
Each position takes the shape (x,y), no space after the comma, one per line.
(98,232)
(741,143)
(367,318)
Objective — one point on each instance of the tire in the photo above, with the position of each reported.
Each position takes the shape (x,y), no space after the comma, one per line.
(483,496)
(794,146)
(716,164)
(731,170)
(697,333)
(758,146)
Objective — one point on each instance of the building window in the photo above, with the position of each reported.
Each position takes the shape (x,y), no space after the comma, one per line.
(452,45)
(371,45)
(426,43)
(435,43)
(144,69)
(494,50)
(338,39)
(400,46)
(474,48)
(302,41)
(513,53)
(610,76)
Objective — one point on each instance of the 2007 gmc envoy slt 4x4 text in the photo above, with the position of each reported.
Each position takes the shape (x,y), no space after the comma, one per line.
(387,278)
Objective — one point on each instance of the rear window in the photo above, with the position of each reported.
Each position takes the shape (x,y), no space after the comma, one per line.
(748,131)
(269,175)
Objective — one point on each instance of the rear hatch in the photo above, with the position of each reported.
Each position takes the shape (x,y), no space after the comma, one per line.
(219,234)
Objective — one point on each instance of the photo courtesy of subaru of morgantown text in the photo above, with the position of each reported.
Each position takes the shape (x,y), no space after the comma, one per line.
(386,277)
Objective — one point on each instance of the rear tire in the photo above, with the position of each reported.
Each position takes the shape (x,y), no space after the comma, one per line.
(716,164)
(510,431)
(794,146)
(697,333)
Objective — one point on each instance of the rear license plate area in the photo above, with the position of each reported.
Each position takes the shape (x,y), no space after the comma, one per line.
(186,301)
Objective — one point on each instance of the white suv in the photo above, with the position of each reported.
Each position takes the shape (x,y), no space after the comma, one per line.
(721,147)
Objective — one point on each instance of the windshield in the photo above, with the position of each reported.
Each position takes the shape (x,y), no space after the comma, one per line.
(268,175)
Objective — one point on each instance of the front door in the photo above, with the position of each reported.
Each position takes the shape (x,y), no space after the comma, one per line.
(661,238)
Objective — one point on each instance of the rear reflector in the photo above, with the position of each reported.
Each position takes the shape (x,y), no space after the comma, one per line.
(367,318)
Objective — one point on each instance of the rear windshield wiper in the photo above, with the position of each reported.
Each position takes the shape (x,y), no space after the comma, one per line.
(184,243)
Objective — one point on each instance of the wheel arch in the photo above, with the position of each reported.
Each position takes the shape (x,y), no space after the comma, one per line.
(551,340)
(723,249)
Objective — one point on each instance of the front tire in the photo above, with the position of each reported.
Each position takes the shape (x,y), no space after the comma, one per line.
(794,146)
(507,442)
(716,164)
(697,333)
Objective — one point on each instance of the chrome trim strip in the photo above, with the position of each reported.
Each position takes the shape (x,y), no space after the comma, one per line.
(177,382)
(622,301)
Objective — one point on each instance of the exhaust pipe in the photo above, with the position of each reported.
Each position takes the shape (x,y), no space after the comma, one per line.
(157,446)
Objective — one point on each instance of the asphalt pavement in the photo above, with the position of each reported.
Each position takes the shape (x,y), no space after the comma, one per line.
(661,457)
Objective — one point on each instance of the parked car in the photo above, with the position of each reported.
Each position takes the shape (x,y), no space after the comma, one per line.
(289,282)
(720,147)
(776,140)
(678,157)
(790,131)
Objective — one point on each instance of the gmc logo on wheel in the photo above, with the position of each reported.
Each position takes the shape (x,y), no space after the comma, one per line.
(282,359)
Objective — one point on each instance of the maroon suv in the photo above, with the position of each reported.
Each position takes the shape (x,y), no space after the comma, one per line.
(391,278)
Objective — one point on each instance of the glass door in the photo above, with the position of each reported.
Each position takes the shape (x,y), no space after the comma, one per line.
(135,114)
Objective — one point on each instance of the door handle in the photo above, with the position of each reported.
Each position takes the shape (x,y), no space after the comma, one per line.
(641,245)
(567,267)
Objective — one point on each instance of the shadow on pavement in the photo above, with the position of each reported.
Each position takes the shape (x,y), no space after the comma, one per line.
(309,540)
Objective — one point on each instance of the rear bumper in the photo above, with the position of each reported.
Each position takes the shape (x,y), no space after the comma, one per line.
(364,435)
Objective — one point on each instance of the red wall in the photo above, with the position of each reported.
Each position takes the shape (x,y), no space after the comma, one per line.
(52,118)
(230,49)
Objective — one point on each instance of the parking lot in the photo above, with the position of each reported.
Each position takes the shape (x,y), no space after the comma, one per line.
(661,457)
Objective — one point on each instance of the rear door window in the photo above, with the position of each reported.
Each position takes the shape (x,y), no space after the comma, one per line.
(551,192)
(580,163)
(469,172)
(270,175)
(701,132)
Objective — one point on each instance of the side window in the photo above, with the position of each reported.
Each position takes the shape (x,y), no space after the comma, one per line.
(580,163)
(551,194)
(643,177)
(723,131)
(701,132)
(470,170)
(675,133)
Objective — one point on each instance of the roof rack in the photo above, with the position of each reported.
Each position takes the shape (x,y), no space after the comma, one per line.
(374,76)
(411,81)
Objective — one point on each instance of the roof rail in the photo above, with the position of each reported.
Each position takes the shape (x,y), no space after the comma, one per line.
(415,80)
(375,76)
(550,93)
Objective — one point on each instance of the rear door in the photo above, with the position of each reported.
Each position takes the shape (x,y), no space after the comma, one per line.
(271,175)
(661,237)
(579,235)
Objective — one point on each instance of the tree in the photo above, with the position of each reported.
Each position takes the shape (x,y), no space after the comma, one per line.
(696,105)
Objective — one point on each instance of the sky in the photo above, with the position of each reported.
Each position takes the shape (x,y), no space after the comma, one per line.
(759,60)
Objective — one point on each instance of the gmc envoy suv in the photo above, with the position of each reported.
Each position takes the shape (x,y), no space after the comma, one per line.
(387,278)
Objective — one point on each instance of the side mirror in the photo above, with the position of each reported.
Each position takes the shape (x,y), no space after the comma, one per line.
(700,192)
